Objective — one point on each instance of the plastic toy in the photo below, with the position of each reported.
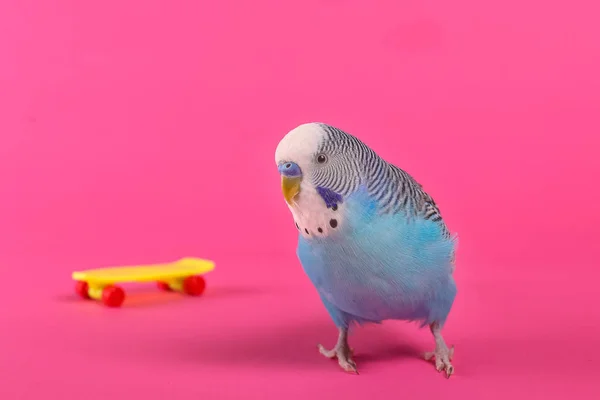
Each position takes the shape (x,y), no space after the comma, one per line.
(184,275)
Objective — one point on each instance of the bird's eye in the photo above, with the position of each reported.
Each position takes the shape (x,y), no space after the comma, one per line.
(321,158)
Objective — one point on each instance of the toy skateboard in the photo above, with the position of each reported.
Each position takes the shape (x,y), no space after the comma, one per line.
(184,275)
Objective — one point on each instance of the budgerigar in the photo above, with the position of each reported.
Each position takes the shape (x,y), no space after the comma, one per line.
(371,240)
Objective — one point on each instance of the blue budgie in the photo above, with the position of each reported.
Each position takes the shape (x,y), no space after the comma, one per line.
(371,240)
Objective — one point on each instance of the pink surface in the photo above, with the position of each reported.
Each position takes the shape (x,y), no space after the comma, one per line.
(136,131)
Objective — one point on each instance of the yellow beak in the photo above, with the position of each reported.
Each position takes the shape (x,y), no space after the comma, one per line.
(290,187)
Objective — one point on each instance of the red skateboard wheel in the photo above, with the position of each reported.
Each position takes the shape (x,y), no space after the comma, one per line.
(113,296)
(194,285)
(163,286)
(81,288)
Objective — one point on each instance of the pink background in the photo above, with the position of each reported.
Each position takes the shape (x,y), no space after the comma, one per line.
(134,132)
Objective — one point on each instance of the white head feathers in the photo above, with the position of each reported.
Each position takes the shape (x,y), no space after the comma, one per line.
(300,144)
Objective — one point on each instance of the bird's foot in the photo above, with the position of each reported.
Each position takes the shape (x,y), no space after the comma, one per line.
(344,356)
(443,355)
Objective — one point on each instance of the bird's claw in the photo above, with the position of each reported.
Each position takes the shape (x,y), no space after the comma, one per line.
(442,359)
(343,355)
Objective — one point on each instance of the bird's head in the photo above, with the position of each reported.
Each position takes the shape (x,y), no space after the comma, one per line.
(296,157)
(317,155)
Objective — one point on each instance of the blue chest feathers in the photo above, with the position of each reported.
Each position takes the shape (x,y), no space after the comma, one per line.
(381,266)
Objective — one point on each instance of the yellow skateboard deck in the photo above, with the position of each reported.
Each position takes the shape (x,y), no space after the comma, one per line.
(183,275)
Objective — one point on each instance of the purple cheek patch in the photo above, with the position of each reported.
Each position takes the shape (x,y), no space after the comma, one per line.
(330,197)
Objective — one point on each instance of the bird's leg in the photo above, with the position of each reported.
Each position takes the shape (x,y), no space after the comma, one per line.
(442,354)
(342,351)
